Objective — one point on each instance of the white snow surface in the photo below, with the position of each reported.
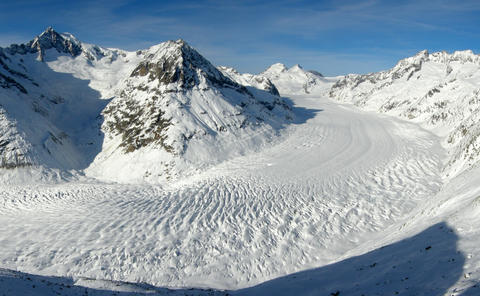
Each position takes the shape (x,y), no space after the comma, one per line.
(439,90)
(336,179)
(98,114)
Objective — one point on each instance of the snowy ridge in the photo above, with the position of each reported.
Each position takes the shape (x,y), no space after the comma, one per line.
(438,90)
(253,82)
(49,108)
(297,81)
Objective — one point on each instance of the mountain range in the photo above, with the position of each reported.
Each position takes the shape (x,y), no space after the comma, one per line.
(152,114)
(127,172)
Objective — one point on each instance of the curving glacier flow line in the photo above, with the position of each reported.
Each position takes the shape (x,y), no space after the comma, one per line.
(332,183)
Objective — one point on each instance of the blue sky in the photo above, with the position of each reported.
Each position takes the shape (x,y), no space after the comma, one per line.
(332,37)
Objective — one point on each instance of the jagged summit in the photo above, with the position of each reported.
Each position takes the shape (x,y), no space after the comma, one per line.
(64,43)
(47,40)
(437,57)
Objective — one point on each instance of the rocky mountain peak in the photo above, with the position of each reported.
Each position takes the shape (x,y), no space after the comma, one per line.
(51,39)
(47,40)
(176,62)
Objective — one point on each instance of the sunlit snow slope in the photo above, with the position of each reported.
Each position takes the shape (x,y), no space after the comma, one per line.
(296,80)
(439,90)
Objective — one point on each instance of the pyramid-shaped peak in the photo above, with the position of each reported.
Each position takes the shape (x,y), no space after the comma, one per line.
(296,68)
(177,62)
(49,30)
(275,68)
(51,39)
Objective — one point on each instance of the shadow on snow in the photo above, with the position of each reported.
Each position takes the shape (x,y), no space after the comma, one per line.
(425,264)
(302,114)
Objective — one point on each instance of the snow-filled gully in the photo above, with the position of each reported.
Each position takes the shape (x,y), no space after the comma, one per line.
(337,178)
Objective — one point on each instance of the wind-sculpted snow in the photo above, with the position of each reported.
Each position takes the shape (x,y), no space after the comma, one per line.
(334,181)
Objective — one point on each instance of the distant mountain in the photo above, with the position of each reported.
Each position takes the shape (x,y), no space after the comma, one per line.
(67,106)
(439,90)
(296,80)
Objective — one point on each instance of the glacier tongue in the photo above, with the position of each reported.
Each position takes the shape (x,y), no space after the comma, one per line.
(332,181)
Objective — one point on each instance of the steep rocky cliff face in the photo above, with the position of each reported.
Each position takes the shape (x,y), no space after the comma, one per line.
(439,90)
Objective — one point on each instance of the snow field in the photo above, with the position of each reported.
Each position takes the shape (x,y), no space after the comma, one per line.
(337,178)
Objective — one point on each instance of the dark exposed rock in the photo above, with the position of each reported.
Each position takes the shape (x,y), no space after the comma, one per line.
(8,82)
(127,123)
(316,73)
(183,65)
(45,41)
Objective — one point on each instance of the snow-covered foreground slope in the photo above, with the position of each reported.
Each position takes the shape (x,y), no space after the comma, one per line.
(336,179)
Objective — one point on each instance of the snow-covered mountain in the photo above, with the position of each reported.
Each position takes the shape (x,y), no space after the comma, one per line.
(152,114)
(297,81)
(438,90)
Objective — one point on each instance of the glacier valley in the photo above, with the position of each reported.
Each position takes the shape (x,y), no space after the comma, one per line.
(154,172)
